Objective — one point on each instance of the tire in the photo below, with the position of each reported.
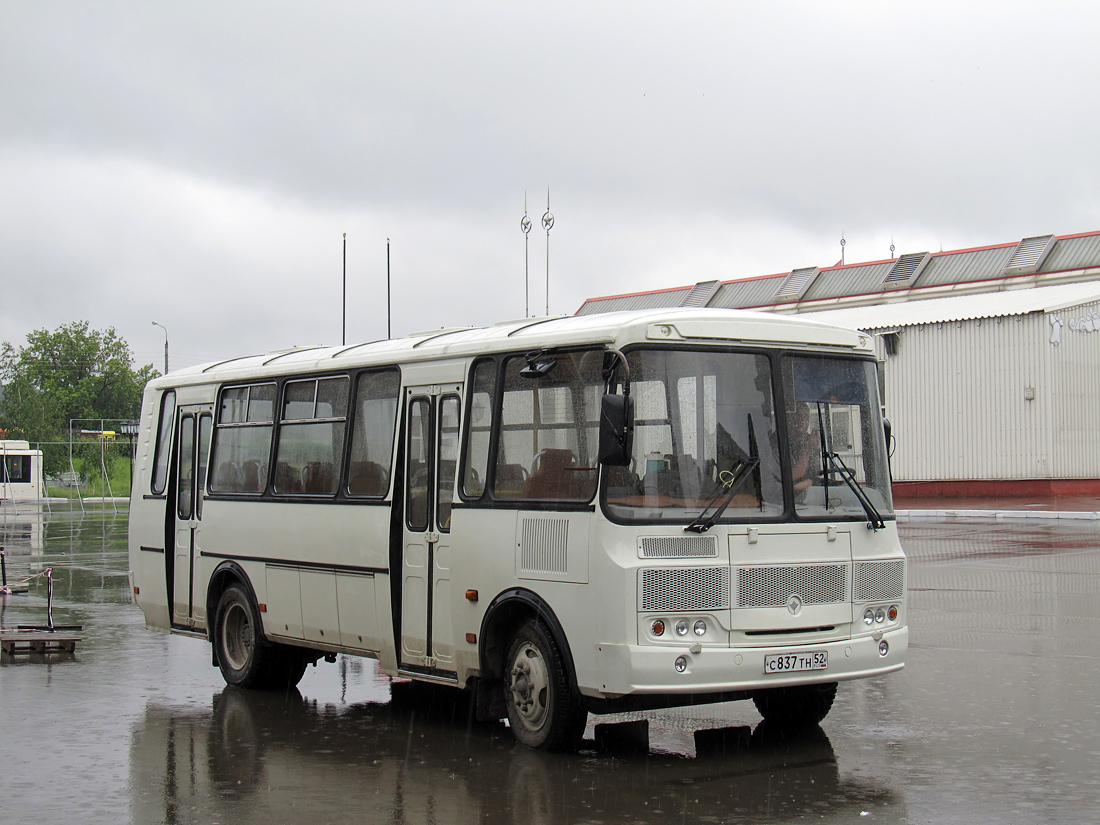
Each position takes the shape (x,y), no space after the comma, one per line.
(245,658)
(796,707)
(543,712)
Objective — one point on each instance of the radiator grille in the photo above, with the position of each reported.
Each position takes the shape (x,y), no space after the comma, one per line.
(772,586)
(543,546)
(878,580)
(686,588)
(678,547)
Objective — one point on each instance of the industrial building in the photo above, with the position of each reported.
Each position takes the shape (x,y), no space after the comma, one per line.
(990,356)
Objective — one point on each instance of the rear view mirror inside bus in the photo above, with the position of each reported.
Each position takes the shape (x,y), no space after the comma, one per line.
(616,412)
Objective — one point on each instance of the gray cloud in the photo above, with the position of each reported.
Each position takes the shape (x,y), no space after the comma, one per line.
(198,162)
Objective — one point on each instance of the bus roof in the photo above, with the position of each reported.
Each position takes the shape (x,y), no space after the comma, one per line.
(671,325)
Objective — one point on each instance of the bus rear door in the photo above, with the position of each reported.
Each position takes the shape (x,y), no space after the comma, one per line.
(192,452)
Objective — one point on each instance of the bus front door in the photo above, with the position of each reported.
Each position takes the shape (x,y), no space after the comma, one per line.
(426,635)
(192,450)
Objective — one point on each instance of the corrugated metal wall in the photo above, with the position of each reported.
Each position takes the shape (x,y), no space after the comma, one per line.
(1075,368)
(955,394)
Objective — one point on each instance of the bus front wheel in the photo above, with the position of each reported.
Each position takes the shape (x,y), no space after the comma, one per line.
(245,658)
(543,712)
(796,707)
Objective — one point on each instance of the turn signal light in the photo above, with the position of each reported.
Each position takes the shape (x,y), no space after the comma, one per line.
(892,613)
(658,628)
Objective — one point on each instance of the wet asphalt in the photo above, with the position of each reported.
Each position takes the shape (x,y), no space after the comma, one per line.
(994,719)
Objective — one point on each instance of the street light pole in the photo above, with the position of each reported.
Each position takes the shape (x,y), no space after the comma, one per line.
(165,345)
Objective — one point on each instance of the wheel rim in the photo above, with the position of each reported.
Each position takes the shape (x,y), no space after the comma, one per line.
(237,636)
(530,687)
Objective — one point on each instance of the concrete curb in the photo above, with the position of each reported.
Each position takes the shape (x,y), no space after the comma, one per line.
(998,515)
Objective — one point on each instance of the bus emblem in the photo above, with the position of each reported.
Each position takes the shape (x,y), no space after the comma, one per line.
(794,605)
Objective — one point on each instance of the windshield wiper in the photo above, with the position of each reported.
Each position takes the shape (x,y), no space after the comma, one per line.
(731,486)
(833,461)
(849,477)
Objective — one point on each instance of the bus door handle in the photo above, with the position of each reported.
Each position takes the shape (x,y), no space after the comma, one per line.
(432,537)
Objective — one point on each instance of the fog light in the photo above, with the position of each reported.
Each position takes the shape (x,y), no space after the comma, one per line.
(880,615)
(892,613)
(883,648)
(868,616)
(700,628)
(681,628)
(658,628)
(681,664)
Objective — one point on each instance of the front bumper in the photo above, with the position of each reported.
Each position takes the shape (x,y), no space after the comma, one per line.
(634,670)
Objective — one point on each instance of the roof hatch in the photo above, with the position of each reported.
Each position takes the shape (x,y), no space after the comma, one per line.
(906,270)
(796,284)
(1029,255)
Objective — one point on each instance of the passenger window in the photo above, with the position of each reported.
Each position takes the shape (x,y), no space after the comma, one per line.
(164,442)
(311,436)
(242,439)
(549,429)
(483,392)
(375,418)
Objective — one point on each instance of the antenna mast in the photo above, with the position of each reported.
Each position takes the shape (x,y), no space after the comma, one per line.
(525,225)
(548,224)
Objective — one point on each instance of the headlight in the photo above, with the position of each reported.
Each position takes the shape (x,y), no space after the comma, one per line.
(681,628)
(700,628)
(868,616)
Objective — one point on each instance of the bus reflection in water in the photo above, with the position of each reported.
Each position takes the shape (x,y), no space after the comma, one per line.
(266,756)
(562,515)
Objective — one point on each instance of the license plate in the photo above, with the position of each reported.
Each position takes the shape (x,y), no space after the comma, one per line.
(792,662)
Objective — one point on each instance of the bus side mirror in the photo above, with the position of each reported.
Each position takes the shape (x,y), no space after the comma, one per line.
(616,430)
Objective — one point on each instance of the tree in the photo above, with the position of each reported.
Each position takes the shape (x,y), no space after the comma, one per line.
(72,372)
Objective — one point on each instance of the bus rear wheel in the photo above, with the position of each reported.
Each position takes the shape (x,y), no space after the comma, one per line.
(543,711)
(245,658)
(796,707)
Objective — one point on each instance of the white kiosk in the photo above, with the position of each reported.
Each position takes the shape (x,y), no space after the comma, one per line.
(20,472)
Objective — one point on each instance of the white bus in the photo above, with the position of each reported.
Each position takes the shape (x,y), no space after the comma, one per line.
(565,515)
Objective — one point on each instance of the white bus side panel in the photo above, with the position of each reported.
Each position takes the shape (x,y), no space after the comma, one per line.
(319,568)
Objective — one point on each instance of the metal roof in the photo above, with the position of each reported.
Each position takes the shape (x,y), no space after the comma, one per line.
(961,307)
(981,269)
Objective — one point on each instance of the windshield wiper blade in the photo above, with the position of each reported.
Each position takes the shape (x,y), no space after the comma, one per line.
(849,478)
(731,488)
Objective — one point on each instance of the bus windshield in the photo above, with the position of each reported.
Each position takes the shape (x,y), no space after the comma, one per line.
(703,422)
(838,454)
(707,435)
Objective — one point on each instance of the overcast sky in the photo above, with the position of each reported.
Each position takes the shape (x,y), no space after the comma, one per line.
(196,164)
